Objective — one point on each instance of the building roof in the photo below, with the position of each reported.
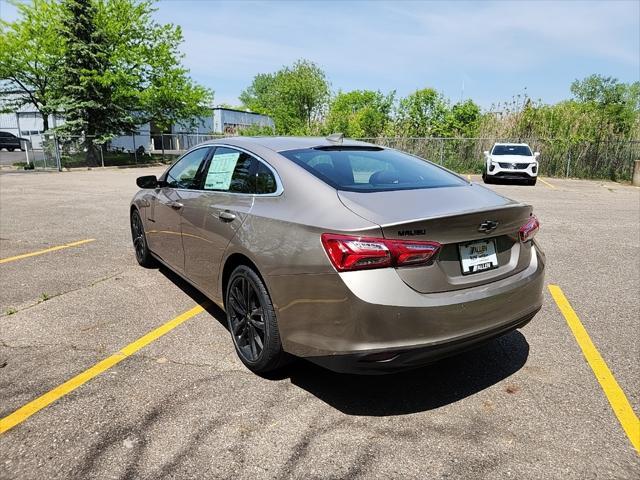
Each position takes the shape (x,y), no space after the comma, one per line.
(281,144)
(249,112)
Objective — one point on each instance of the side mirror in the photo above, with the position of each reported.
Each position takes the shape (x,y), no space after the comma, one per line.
(148,181)
(536,154)
(486,153)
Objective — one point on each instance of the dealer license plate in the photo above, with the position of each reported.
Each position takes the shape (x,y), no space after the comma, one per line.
(478,256)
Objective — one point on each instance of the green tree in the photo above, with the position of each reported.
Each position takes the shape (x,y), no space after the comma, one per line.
(463,120)
(422,114)
(616,104)
(123,69)
(295,97)
(360,113)
(106,65)
(31,57)
(92,104)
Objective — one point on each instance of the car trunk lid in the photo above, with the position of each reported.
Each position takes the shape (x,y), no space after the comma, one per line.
(452,216)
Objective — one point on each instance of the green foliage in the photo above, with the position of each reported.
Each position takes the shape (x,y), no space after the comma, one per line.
(106,64)
(31,57)
(614,104)
(295,97)
(360,113)
(463,120)
(93,101)
(422,114)
(124,69)
(256,131)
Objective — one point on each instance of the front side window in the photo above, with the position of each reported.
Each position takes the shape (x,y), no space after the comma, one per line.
(371,169)
(184,174)
(521,150)
(229,171)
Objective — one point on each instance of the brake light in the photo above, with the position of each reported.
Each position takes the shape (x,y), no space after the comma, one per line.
(348,252)
(529,229)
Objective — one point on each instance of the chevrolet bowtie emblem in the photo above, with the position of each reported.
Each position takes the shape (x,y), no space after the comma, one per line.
(488,226)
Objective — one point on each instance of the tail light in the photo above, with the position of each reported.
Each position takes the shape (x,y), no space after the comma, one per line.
(529,229)
(348,252)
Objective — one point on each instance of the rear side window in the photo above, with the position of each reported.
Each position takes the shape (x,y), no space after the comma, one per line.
(229,171)
(265,181)
(371,169)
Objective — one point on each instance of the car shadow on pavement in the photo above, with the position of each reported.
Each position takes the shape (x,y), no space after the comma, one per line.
(446,381)
(438,384)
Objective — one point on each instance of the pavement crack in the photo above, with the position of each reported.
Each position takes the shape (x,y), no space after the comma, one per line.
(174,362)
(4,344)
(13,311)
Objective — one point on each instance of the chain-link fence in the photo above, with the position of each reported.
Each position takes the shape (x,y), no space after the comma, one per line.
(612,160)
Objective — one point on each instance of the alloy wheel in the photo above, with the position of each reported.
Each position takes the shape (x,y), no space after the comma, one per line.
(246,318)
(137,231)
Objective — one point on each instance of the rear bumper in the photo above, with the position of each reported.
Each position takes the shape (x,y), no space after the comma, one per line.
(356,314)
(389,361)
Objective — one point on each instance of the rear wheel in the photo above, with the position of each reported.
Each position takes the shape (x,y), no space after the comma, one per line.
(10,149)
(143,254)
(252,322)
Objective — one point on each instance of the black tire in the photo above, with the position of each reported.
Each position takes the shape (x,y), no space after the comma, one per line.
(252,322)
(486,178)
(10,149)
(532,181)
(140,246)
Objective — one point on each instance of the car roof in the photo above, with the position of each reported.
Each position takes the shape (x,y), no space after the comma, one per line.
(282,144)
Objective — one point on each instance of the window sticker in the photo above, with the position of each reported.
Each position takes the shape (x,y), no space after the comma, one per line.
(221,171)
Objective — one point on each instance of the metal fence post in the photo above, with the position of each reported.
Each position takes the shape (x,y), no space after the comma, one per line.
(135,151)
(442,151)
(568,162)
(26,152)
(101,155)
(57,152)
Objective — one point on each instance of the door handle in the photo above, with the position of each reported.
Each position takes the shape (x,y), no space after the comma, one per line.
(175,205)
(226,216)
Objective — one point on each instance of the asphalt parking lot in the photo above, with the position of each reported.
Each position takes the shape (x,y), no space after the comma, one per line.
(527,405)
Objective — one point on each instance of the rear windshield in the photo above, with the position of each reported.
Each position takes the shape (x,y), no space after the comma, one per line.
(512,150)
(371,169)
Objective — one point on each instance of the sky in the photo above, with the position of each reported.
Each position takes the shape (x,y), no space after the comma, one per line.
(486,51)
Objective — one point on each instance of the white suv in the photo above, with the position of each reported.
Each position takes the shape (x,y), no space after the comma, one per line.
(510,161)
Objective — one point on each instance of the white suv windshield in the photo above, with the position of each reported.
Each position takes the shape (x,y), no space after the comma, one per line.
(522,150)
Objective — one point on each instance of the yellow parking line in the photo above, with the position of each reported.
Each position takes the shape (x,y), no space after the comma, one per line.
(546,183)
(618,400)
(468,177)
(51,396)
(47,250)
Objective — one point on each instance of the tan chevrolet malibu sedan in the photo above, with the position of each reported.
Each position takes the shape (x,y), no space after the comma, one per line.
(354,256)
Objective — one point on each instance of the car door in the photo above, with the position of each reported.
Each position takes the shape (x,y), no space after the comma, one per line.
(211,218)
(180,183)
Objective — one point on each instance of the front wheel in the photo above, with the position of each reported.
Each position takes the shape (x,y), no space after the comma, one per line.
(143,254)
(532,181)
(252,322)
